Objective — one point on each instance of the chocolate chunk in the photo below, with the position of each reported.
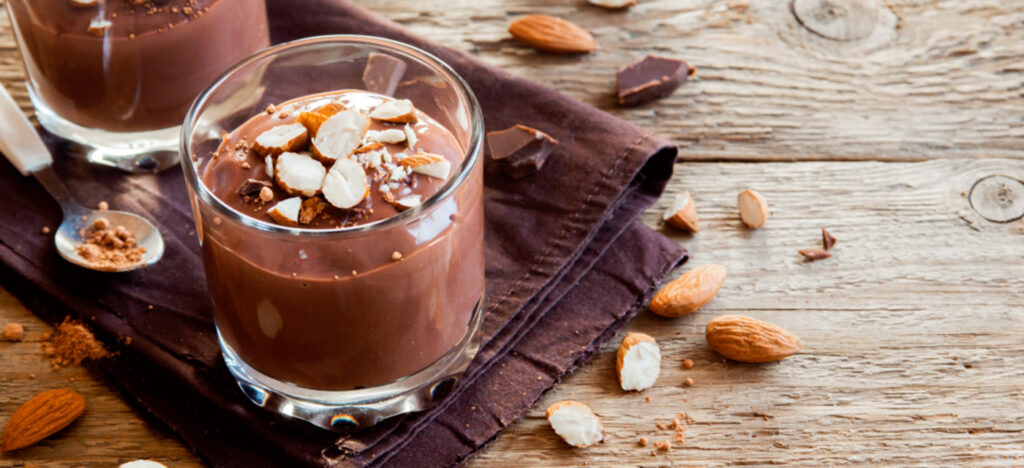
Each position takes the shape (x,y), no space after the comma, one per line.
(520,151)
(311,207)
(250,190)
(382,73)
(650,78)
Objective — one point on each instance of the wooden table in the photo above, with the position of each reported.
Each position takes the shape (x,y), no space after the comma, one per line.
(898,126)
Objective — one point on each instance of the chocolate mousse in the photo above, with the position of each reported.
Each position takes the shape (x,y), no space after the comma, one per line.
(132,65)
(368,306)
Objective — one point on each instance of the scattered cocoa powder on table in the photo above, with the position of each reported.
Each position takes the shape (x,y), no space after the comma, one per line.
(72,344)
(109,248)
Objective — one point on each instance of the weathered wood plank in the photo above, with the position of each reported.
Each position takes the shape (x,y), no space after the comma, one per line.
(913,331)
(942,81)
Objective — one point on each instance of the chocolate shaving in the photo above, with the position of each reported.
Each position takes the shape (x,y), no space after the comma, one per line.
(520,151)
(650,78)
(250,190)
(827,239)
(311,207)
(382,73)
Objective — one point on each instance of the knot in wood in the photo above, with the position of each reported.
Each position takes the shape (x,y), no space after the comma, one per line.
(998,198)
(840,20)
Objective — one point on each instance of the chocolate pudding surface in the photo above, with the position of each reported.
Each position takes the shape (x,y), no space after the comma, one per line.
(353,311)
(125,65)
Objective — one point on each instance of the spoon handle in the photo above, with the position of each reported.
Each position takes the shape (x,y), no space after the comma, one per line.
(18,138)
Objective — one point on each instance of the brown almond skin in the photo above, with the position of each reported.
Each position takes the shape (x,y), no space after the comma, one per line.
(746,339)
(689,292)
(686,218)
(41,417)
(552,34)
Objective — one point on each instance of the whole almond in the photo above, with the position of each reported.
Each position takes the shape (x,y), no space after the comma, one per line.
(689,292)
(552,34)
(41,417)
(750,340)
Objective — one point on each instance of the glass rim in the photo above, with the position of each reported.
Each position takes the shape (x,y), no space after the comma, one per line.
(470,158)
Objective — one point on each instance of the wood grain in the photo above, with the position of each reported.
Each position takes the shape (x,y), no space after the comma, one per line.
(914,330)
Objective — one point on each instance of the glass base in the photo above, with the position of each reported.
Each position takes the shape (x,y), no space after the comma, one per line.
(137,152)
(347,410)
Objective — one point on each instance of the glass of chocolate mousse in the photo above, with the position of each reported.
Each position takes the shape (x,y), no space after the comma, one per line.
(114,78)
(340,212)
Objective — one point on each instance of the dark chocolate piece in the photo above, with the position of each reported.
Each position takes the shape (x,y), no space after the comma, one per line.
(650,78)
(382,73)
(250,190)
(520,151)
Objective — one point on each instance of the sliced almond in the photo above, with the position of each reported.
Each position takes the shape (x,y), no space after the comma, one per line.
(681,213)
(299,174)
(142,464)
(575,423)
(98,26)
(340,135)
(613,4)
(753,209)
(552,34)
(313,119)
(286,212)
(396,110)
(277,140)
(391,136)
(372,146)
(345,184)
(269,165)
(411,201)
(815,254)
(827,239)
(638,362)
(428,164)
(410,136)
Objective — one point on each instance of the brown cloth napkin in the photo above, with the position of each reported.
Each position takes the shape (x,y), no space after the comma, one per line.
(568,265)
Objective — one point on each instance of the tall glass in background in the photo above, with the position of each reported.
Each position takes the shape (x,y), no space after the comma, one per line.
(115,79)
(325,325)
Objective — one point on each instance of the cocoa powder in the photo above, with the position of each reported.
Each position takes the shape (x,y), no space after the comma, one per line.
(72,344)
(109,248)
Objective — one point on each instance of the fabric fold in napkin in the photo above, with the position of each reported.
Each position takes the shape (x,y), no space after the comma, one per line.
(568,265)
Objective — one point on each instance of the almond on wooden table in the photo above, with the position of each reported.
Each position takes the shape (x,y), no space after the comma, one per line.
(753,209)
(41,417)
(575,423)
(552,34)
(681,213)
(689,292)
(613,4)
(746,339)
(638,362)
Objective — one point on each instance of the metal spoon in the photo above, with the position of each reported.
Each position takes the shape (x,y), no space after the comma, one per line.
(23,147)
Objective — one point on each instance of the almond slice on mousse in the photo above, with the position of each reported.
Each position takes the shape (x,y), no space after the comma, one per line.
(391,136)
(299,174)
(282,138)
(411,201)
(398,111)
(286,212)
(345,184)
(428,164)
(313,119)
(339,136)
(575,423)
